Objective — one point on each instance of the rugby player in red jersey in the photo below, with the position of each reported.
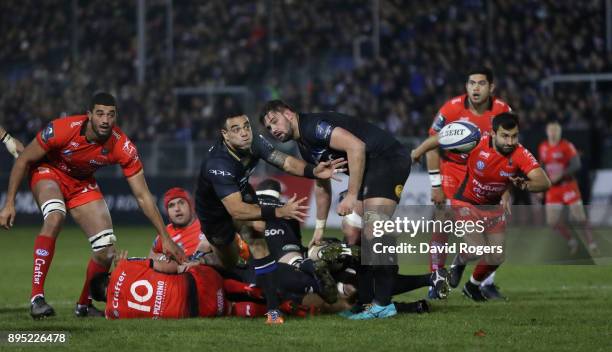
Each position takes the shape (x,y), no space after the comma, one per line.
(561,162)
(61,162)
(185,229)
(447,170)
(494,164)
(162,289)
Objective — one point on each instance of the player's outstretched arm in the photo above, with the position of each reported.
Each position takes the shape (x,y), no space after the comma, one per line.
(141,192)
(431,143)
(14,146)
(298,167)
(323,194)
(239,210)
(31,154)
(355,150)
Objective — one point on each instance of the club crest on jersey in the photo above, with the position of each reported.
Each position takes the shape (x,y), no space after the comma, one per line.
(480,165)
(47,133)
(484,155)
(398,190)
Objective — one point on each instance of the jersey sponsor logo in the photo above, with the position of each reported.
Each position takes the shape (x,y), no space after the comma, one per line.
(38,263)
(503,173)
(96,162)
(129,149)
(323,130)
(274,232)
(160,293)
(74,144)
(557,155)
(116,135)
(47,133)
(480,165)
(220,173)
(438,123)
(456,100)
(77,123)
(67,153)
(484,155)
(117,290)
(42,252)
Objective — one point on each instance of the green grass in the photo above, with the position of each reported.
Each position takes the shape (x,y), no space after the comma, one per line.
(561,308)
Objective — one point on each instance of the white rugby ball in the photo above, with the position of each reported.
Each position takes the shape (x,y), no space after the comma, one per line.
(459,136)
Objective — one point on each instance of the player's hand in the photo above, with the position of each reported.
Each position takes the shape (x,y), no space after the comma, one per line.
(347,205)
(519,182)
(328,169)
(438,198)
(507,205)
(181,268)
(121,254)
(415,156)
(317,236)
(554,179)
(7,216)
(293,209)
(173,250)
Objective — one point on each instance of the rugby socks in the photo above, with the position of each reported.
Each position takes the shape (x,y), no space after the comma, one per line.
(296,281)
(231,286)
(365,278)
(407,283)
(93,268)
(384,282)
(437,260)
(490,280)
(265,274)
(44,248)
(482,271)
(248,309)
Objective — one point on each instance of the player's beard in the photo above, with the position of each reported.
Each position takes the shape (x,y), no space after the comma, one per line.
(289,135)
(101,135)
(505,149)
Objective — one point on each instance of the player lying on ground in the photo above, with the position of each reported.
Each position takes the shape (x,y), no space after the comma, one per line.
(493,165)
(446,169)
(162,289)
(343,269)
(226,202)
(61,162)
(561,162)
(379,167)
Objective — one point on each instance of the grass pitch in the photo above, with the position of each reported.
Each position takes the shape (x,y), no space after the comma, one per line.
(560,308)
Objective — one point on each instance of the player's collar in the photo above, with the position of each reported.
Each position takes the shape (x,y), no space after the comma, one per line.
(466,102)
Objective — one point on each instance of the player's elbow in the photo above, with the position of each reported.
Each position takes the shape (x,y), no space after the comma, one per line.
(357,149)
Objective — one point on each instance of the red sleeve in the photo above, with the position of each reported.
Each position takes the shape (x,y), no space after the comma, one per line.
(54,136)
(525,160)
(444,116)
(157,245)
(126,155)
(571,150)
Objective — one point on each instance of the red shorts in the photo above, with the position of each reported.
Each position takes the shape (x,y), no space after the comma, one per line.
(490,217)
(75,192)
(209,284)
(452,176)
(565,193)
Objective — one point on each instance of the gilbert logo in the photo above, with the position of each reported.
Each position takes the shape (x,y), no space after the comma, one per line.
(42,252)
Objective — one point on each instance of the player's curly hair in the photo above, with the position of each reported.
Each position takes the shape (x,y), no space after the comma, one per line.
(102,98)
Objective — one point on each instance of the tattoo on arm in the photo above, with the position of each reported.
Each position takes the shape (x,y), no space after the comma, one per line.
(277,158)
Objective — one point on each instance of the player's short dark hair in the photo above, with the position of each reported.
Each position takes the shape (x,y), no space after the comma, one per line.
(102,98)
(98,285)
(273,105)
(507,120)
(269,184)
(234,111)
(482,70)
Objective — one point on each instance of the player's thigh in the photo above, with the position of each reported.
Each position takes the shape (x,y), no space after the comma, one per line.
(553,213)
(93,217)
(577,213)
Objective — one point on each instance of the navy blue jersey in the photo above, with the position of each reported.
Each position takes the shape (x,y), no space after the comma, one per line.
(224,172)
(316,129)
(282,235)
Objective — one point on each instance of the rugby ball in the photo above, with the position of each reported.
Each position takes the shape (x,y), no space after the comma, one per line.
(459,136)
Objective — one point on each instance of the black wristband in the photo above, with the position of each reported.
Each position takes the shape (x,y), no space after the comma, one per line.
(268,212)
(309,171)
(5,134)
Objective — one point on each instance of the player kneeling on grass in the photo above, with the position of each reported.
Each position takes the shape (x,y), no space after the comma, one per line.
(493,165)
(186,232)
(162,289)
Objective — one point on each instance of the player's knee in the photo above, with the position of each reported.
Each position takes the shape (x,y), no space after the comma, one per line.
(105,255)
(54,213)
(102,241)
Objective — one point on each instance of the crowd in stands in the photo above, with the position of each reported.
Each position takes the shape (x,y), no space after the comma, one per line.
(55,54)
